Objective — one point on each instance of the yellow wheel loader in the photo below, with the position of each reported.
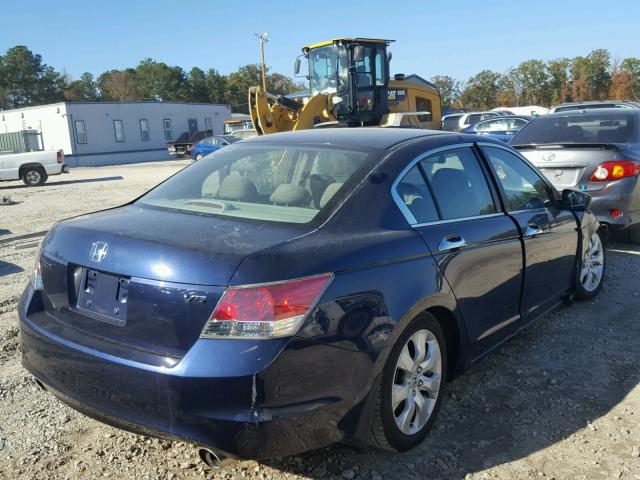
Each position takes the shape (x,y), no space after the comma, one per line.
(349,87)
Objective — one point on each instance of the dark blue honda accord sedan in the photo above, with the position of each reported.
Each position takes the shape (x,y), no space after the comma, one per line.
(299,289)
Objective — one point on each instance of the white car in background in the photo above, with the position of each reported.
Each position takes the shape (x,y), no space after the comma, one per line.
(33,168)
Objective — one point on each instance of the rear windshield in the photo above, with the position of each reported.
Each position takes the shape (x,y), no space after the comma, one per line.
(588,128)
(451,123)
(278,183)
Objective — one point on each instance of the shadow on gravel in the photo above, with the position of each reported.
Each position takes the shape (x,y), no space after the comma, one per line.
(7,268)
(4,231)
(558,376)
(67,182)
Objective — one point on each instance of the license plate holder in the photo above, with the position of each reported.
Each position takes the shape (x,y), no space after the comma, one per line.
(103,296)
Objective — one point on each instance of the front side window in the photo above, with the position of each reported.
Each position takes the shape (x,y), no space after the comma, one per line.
(168,129)
(329,69)
(287,184)
(144,130)
(523,188)
(458,184)
(424,105)
(81,133)
(118,128)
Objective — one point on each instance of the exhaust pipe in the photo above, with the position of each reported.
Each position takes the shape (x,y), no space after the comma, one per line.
(212,459)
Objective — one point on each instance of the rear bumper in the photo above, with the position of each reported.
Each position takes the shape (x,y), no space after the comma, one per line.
(623,195)
(307,397)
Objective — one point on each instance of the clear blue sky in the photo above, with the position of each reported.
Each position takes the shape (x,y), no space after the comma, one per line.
(457,38)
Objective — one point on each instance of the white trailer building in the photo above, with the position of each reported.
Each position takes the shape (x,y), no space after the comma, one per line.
(107,133)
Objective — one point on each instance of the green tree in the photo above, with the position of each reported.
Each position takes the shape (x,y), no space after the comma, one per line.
(238,84)
(533,78)
(84,89)
(559,80)
(197,86)
(598,73)
(482,90)
(216,86)
(632,66)
(26,80)
(449,89)
(158,81)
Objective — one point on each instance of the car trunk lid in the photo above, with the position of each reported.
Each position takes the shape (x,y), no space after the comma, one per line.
(144,278)
(570,165)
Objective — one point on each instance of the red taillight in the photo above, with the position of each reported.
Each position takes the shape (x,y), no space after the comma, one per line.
(616,213)
(265,311)
(59,156)
(615,170)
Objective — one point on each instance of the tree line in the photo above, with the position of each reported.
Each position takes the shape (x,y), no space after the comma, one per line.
(536,82)
(26,80)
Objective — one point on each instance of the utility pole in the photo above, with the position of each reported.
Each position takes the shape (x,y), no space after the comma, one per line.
(263,38)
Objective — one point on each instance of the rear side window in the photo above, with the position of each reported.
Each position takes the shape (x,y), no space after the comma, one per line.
(585,128)
(473,119)
(524,189)
(447,185)
(286,184)
(415,195)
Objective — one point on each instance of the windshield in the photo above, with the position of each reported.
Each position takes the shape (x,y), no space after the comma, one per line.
(329,69)
(585,128)
(279,183)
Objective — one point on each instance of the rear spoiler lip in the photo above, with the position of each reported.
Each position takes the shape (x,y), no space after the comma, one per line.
(603,146)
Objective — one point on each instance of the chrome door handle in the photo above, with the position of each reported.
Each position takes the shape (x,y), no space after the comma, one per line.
(451,242)
(532,230)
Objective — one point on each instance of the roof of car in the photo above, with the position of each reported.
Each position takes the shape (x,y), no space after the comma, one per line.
(591,111)
(367,137)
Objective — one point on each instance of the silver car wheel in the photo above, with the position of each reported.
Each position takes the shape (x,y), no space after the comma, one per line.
(33,176)
(592,264)
(416,382)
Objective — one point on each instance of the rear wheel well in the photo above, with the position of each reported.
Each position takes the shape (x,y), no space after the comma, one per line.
(28,166)
(450,327)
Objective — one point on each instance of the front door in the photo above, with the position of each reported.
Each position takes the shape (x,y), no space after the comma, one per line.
(193,125)
(477,246)
(550,234)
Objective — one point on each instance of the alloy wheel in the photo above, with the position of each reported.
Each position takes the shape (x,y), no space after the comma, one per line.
(592,264)
(416,382)
(33,177)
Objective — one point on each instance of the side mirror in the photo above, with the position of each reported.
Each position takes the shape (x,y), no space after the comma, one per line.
(389,56)
(296,66)
(575,200)
(358,53)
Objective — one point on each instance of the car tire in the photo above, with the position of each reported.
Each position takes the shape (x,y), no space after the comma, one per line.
(592,268)
(394,427)
(633,235)
(198,156)
(34,176)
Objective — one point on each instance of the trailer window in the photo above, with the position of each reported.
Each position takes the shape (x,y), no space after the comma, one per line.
(144,129)
(118,128)
(81,133)
(168,130)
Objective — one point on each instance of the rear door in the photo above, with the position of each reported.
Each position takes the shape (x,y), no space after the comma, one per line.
(550,234)
(477,247)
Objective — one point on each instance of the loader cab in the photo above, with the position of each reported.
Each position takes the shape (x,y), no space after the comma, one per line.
(356,72)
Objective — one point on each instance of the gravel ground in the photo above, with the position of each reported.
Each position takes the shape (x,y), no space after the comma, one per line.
(559,401)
